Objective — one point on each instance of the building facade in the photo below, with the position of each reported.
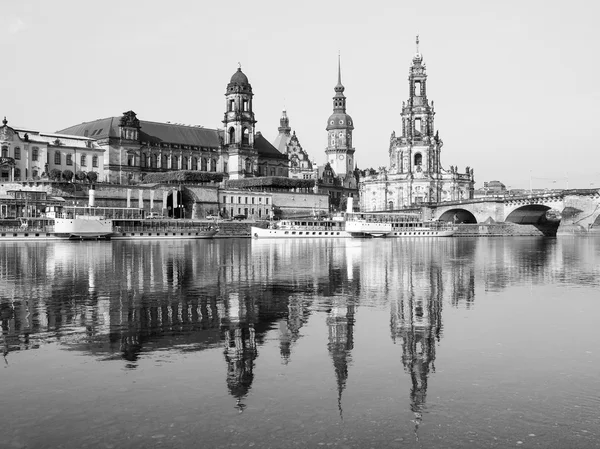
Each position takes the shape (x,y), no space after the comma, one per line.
(415,174)
(28,155)
(134,147)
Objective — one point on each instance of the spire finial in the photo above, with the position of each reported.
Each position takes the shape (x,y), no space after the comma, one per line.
(339,69)
(4,122)
(239,65)
(417,43)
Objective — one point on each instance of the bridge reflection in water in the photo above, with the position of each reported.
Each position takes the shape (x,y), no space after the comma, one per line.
(124,300)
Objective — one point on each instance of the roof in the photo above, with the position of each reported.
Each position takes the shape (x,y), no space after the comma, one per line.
(239,77)
(151,132)
(265,149)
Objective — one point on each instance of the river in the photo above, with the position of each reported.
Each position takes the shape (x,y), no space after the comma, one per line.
(344,343)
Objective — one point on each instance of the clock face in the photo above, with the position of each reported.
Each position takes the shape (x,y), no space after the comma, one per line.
(341,157)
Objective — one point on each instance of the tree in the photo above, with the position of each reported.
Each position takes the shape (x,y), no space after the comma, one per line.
(81,175)
(55,174)
(92,177)
(67,175)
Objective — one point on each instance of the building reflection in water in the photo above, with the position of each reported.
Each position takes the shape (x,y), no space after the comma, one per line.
(125,300)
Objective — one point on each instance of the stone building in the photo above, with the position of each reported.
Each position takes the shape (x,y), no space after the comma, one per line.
(415,174)
(300,165)
(28,155)
(135,147)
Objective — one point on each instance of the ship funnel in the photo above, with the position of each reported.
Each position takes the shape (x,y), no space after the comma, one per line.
(92,197)
(350,205)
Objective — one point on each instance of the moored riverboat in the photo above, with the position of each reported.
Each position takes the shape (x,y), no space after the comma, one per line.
(301,228)
(162,229)
(382,224)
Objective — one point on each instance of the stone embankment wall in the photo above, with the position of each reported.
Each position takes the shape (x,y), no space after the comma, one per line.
(497,230)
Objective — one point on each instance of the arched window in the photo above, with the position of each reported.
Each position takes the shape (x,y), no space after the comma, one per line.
(69,159)
(204,164)
(4,151)
(231,135)
(195,163)
(94,161)
(57,158)
(174,163)
(246,137)
(153,161)
(83,160)
(143,160)
(213,165)
(35,151)
(418,159)
(184,163)
(248,166)
(163,162)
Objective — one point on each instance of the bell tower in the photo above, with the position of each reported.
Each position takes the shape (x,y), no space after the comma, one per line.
(339,151)
(239,127)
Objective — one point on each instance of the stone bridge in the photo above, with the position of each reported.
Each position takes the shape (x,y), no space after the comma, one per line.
(578,208)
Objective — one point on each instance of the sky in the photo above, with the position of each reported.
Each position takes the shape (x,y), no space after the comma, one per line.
(516,84)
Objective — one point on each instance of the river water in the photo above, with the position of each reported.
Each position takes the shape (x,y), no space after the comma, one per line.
(347,343)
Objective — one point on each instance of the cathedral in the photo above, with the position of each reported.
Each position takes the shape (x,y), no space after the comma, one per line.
(415,174)
(300,165)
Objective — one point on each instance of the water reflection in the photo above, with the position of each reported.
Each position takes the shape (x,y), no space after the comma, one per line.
(124,300)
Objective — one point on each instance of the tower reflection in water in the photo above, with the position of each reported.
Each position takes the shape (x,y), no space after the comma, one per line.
(126,300)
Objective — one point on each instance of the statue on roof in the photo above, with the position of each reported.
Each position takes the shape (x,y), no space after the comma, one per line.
(129,120)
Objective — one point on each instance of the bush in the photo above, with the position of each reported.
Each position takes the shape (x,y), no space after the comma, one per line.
(55,174)
(183,176)
(92,177)
(81,175)
(67,175)
(272,181)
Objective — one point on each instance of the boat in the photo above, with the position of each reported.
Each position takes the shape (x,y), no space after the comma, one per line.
(383,224)
(302,228)
(162,229)
(82,223)
(355,224)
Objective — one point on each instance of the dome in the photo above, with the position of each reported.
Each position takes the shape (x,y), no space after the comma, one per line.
(239,78)
(340,120)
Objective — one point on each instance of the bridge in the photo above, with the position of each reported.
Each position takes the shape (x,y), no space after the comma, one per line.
(579,208)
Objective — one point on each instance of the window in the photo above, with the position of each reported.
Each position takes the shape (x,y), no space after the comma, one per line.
(246,137)
(57,158)
(4,151)
(17,153)
(163,162)
(94,161)
(231,105)
(195,163)
(418,159)
(175,162)
(224,199)
(143,159)
(213,165)
(34,173)
(231,135)
(266,200)
(35,153)
(69,159)
(225,167)
(130,160)
(418,88)
(83,160)
(153,161)
(245,105)
(17,173)
(203,164)
(184,163)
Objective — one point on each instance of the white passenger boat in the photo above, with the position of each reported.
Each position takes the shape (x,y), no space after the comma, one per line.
(355,225)
(82,223)
(383,224)
(301,228)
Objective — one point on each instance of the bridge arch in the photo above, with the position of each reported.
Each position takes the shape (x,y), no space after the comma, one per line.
(529,214)
(457,216)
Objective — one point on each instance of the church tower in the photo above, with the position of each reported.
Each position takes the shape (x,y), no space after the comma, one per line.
(419,149)
(340,153)
(239,127)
